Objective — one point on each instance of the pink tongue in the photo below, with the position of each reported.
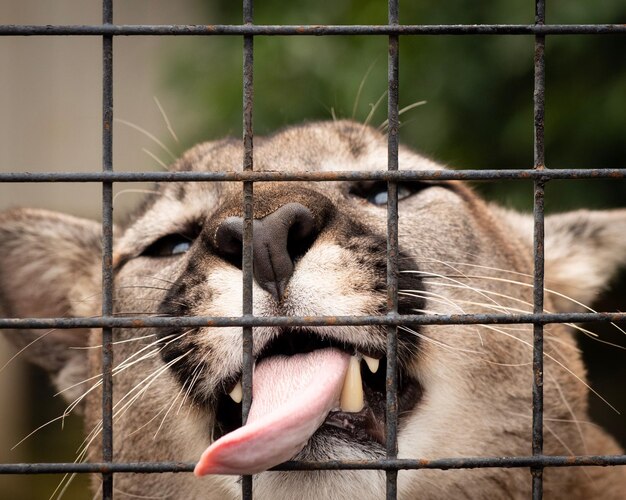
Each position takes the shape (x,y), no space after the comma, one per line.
(291,397)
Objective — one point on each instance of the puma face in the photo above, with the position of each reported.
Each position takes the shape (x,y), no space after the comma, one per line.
(319,249)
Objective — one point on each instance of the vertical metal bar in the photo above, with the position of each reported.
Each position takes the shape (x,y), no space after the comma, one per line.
(248,164)
(392,255)
(107,249)
(539,257)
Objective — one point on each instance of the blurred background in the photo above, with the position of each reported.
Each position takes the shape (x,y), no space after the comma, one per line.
(478,114)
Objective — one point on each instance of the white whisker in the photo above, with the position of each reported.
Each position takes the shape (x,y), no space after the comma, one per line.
(570,410)
(166,120)
(99,346)
(70,478)
(147,134)
(436,342)
(384,124)
(133,191)
(118,412)
(360,89)
(370,115)
(521,283)
(60,417)
(161,163)
(530,346)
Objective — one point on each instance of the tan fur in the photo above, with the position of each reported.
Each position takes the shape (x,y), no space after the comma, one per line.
(472,258)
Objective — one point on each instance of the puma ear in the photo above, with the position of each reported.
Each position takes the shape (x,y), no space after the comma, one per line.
(584,250)
(50,267)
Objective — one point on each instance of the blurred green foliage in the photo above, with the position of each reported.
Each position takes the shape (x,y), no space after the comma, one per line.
(479,89)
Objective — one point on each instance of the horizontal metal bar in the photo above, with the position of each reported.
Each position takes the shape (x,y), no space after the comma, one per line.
(384,464)
(459,463)
(380,175)
(309,30)
(246,320)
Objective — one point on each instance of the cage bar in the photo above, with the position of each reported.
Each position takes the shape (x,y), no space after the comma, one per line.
(107,249)
(226,321)
(382,464)
(380,175)
(391,403)
(248,204)
(538,249)
(310,30)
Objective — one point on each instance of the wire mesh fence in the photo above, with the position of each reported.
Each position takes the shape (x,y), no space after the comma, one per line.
(394,31)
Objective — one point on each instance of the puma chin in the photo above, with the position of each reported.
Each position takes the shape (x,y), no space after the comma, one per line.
(319,249)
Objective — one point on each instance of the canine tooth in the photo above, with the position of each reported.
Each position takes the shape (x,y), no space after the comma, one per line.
(237,393)
(351,399)
(372,363)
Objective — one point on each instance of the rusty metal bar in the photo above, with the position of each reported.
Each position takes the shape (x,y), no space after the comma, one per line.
(225,321)
(538,296)
(257,176)
(248,203)
(107,249)
(538,248)
(383,464)
(309,30)
(391,406)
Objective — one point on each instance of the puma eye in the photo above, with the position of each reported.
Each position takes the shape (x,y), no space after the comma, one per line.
(181,247)
(376,192)
(169,246)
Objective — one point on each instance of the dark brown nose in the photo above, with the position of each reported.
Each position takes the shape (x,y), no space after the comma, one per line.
(278,240)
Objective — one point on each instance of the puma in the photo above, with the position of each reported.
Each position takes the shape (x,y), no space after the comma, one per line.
(319,392)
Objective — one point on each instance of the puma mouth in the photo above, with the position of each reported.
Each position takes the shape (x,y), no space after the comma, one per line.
(358,409)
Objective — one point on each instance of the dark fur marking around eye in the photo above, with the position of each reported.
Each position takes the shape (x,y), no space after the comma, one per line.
(370,250)
(176,341)
(584,228)
(173,244)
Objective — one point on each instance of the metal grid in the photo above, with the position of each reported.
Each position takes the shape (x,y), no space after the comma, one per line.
(393,30)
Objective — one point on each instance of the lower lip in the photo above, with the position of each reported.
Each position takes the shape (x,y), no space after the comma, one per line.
(362,425)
